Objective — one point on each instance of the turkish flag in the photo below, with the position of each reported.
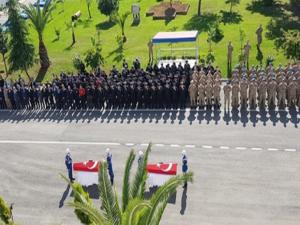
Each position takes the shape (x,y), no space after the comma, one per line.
(163,168)
(88,166)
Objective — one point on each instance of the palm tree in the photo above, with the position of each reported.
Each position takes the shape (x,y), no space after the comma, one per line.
(135,210)
(39,18)
(88,4)
(121,20)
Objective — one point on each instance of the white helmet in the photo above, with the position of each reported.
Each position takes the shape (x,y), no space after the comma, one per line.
(183,152)
(68,150)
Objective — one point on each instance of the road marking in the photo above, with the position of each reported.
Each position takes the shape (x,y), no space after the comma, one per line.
(130,144)
(290,150)
(175,146)
(256,149)
(58,142)
(273,149)
(207,146)
(159,145)
(190,146)
(144,144)
(224,147)
(240,148)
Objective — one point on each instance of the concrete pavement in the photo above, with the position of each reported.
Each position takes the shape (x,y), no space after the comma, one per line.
(246,167)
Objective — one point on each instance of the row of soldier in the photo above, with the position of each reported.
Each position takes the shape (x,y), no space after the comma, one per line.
(264,87)
(204,89)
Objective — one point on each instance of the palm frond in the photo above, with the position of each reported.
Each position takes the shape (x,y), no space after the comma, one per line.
(93,213)
(161,196)
(134,211)
(108,197)
(137,188)
(126,180)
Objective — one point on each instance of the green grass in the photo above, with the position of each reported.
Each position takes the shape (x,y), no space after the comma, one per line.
(138,36)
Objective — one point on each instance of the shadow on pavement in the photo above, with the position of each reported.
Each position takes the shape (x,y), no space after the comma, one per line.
(165,116)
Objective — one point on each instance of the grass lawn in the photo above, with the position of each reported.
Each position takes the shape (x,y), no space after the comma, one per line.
(138,36)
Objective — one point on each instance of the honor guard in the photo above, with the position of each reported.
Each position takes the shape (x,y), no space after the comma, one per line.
(184,165)
(109,166)
(69,165)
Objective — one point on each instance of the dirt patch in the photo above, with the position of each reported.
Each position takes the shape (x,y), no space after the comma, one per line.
(165,10)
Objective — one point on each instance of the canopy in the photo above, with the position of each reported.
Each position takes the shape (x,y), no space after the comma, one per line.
(173,37)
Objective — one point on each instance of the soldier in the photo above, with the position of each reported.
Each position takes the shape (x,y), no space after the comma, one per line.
(227,90)
(259,35)
(281,94)
(216,92)
(109,166)
(69,165)
(229,56)
(252,93)
(244,92)
(193,93)
(262,93)
(208,94)
(247,49)
(272,86)
(235,95)
(201,95)
(140,159)
(292,93)
(184,165)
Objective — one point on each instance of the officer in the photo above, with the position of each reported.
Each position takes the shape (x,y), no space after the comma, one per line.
(208,93)
(140,158)
(282,94)
(201,95)
(252,93)
(272,86)
(244,92)
(184,165)
(262,93)
(69,163)
(227,90)
(109,166)
(292,93)
(193,93)
(216,93)
(235,95)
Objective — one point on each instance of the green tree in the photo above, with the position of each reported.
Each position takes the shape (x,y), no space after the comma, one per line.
(108,7)
(232,3)
(135,209)
(4,48)
(39,18)
(88,4)
(121,20)
(21,55)
(93,58)
(291,44)
(78,64)
(269,2)
(295,3)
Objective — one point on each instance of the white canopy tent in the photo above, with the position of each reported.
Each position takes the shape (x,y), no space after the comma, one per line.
(172,38)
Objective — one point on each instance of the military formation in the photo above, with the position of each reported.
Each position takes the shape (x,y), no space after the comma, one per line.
(263,87)
(164,87)
(155,87)
(205,88)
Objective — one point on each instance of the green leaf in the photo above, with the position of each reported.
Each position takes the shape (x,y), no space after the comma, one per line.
(126,180)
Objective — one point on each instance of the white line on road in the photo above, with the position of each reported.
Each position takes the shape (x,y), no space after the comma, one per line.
(144,144)
(159,145)
(190,146)
(58,142)
(240,148)
(290,150)
(175,146)
(256,149)
(207,146)
(224,147)
(273,149)
(129,144)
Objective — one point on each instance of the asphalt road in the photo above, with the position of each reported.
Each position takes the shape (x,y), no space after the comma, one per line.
(246,164)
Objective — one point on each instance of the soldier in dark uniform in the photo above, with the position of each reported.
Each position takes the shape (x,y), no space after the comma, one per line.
(182,95)
(167,95)
(69,165)
(109,166)
(174,93)
(184,165)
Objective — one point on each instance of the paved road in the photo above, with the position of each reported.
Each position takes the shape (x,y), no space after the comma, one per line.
(246,164)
